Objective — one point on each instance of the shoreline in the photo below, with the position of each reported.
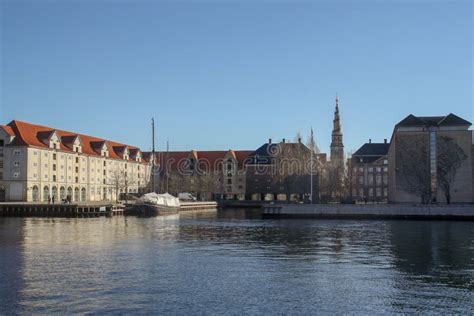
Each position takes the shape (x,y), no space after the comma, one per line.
(370,211)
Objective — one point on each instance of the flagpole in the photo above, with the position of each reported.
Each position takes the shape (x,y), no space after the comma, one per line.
(312,146)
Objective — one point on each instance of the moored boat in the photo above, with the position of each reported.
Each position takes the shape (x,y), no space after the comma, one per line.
(153,204)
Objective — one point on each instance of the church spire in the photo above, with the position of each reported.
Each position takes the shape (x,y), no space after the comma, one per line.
(337,146)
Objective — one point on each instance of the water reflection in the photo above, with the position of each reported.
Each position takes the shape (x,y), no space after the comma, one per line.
(234,262)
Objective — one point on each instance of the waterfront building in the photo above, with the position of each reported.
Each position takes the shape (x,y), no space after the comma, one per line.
(368,172)
(281,171)
(431,160)
(207,174)
(39,163)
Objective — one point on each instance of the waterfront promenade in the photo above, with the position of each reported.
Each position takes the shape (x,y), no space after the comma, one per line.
(370,211)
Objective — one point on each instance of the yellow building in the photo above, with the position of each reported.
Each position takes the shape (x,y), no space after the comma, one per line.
(39,163)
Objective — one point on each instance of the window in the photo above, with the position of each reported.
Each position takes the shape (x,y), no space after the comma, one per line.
(371,192)
(378,169)
(16,163)
(103,181)
(385,191)
(54,145)
(77,159)
(54,178)
(54,156)
(371,179)
(17,152)
(77,169)
(378,192)
(46,176)
(385,169)
(371,169)
(35,193)
(105,163)
(46,154)
(361,169)
(35,175)
(54,167)
(35,153)
(46,165)
(1,163)
(378,179)
(229,181)
(45,194)
(77,180)
(16,174)
(35,164)
(385,162)
(1,175)
(385,179)
(361,192)
(83,194)
(361,180)
(2,142)
(76,194)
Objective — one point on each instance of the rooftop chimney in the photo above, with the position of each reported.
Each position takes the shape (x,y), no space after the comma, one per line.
(284,140)
(269,140)
(370,141)
(299,140)
(385,141)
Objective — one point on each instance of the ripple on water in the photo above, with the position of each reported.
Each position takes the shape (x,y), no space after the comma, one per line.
(223,264)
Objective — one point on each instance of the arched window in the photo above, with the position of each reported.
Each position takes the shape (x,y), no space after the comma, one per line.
(76,194)
(69,193)
(83,194)
(54,193)
(62,193)
(35,193)
(45,193)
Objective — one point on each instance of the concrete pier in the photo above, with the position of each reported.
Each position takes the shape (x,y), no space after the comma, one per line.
(198,206)
(369,211)
(58,210)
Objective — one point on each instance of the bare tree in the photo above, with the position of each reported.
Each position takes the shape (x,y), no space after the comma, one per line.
(120,181)
(290,169)
(332,182)
(312,145)
(449,158)
(297,138)
(413,165)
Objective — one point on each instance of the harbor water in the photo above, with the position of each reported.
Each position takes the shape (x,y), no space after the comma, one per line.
(234,262)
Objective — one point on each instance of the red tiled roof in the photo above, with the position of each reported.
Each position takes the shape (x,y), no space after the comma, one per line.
(28,134)
(7,130)
(206,160)
(241,156)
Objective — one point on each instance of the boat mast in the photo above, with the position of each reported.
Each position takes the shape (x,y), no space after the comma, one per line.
(312,146)
(167,174)
(153,154)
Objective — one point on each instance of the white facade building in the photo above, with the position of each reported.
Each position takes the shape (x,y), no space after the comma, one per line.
(39,163)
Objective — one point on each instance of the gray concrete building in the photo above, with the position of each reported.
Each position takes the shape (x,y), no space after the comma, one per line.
(427,154)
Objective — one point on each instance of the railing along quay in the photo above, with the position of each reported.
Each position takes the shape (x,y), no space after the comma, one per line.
(58,210)
(198,206)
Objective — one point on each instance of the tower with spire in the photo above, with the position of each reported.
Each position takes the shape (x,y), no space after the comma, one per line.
(337,146)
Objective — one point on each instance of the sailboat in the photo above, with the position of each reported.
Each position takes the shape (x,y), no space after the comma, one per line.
(154,204)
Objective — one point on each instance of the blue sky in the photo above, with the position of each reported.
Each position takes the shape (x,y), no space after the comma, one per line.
(231,74)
